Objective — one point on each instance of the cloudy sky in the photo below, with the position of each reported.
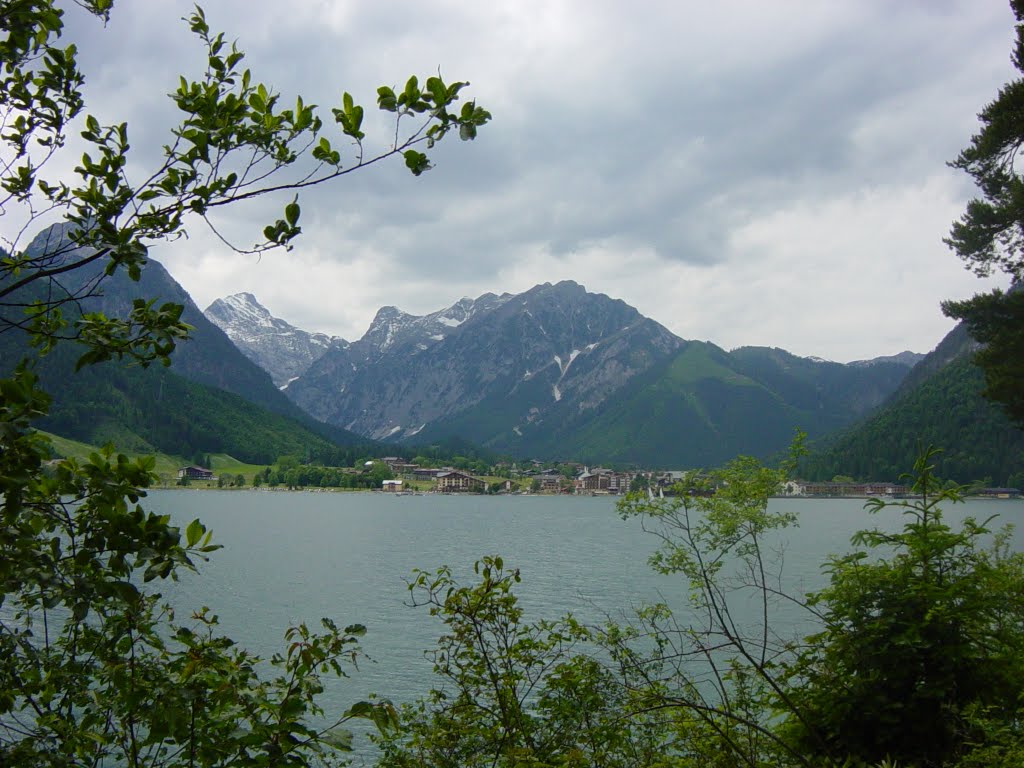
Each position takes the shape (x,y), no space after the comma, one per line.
(749,173)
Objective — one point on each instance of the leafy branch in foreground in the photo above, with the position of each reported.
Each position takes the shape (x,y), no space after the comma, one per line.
(236,141)
(717,666)
(513,692)
(922,631)
(989,236)
(94,669)
(915,644)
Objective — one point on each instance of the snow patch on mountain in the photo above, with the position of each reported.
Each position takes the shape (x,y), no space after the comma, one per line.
(420,371)
(281,349)
(563,368)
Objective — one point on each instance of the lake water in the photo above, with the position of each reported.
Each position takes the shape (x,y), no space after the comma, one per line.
(295,556)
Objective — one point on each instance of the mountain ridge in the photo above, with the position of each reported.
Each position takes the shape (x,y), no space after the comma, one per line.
(279,348)
(939,404)
(207,358)
(533,373)
(410,371)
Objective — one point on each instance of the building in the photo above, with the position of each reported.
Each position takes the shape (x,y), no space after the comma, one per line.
(857,490)
(596,481)
(998,493)
(195,473)
(391,486)
(550,483)
(398,465)
(458,482)
(619,482)
(428,473)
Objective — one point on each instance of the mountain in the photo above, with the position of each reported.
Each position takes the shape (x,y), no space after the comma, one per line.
(561,372)
(155,410)
(939,404)
(704,406)
(485,368)
(554,372)
(279,348)
(114,400)
(907,358)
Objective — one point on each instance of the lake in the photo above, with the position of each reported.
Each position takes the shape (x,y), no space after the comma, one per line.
(297,556)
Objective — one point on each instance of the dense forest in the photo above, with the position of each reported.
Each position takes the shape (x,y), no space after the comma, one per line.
(978,442)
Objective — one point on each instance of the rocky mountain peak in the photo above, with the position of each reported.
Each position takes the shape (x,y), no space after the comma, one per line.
(278,347)
(553,346)
(240,311)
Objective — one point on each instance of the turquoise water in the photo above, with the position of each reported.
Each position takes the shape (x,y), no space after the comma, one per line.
(296,556)
(291,557)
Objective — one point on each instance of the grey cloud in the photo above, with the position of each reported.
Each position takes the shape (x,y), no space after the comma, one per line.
(662,127)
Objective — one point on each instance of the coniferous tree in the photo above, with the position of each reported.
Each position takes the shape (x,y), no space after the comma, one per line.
(989,236)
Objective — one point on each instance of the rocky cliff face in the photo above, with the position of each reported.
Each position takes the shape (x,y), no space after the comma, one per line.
(279,348)
(488,369)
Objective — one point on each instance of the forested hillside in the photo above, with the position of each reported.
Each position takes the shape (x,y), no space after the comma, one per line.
(153,409)
(946,411)
(705,405)
(211,400)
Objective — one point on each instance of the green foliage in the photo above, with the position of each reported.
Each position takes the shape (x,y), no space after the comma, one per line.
(944,409)
(94,670)
(996,320)
(94,667)
(990,235)
(639,483)
(236,141)
(513,692)
(913,644)
(718,674)
(915,656)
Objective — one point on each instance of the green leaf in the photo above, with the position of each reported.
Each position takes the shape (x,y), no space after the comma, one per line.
(291,212)
(411,94)
(194,532)
(363,709)
(339,738)
(437,91)
(416,161)
(386,99)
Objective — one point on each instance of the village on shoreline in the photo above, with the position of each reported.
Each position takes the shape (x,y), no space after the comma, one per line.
(397,476)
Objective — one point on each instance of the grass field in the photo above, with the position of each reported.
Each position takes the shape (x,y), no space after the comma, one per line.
(166,466)
(222,464)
